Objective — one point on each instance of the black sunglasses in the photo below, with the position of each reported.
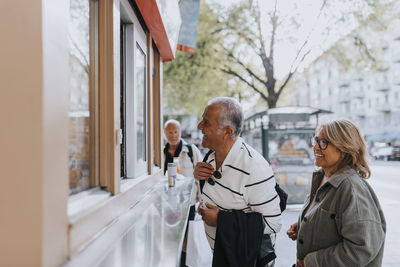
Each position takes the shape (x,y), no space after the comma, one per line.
(322,143)
(217,175)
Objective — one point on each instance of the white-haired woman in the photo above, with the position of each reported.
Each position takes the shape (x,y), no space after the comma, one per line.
(342,223)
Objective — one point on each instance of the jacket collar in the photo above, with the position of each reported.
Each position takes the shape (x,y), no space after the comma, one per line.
(337,178)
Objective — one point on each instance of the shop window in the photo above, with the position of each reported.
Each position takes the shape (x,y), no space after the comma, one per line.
(82,133)
(133,97)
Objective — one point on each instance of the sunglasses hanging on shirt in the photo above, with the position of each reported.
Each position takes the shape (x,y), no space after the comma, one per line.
(217,175)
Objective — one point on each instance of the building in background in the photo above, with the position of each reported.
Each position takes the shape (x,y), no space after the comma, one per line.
(369,98)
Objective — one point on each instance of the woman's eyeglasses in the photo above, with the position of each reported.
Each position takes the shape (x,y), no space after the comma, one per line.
(322,143)
(217,175)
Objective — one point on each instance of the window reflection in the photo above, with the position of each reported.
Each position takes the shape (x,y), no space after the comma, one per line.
(79,113)
(140,104)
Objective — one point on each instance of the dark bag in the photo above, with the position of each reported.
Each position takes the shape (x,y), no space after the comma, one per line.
(281,193)
(267,252)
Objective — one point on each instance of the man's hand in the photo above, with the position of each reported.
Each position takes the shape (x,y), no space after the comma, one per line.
(209,214)
(292,232)
(203,171)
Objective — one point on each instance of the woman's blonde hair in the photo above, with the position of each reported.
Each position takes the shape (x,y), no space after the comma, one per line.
(346,137)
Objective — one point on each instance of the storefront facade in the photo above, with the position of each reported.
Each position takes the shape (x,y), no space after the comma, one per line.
(81,110)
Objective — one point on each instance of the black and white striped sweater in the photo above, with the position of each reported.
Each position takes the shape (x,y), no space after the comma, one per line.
(247,184)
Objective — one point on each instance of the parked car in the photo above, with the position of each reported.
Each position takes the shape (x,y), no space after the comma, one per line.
(395,153)
(386,153)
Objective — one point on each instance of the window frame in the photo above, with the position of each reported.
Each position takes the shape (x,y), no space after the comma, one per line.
(94,93)
(134,38)
(92,211)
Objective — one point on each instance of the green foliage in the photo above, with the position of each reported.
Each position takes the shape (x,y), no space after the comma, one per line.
(236,53)
(191,80)
(363,48)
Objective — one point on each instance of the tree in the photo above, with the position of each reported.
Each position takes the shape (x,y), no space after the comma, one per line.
(250,42)
(362,50)
(191,80)
(240,49)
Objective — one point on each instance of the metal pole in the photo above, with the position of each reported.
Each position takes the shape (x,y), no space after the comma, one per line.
(264,141)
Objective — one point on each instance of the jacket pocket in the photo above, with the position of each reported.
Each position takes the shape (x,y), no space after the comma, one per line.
(326,228)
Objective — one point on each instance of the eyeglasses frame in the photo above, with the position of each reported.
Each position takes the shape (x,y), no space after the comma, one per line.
(315,140)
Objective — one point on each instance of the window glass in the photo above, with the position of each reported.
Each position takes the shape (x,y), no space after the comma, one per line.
(140,104)
(79,113)
(133,97)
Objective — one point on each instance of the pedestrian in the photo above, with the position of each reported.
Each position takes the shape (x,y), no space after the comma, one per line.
(240,185)
(342,223)
(187,155)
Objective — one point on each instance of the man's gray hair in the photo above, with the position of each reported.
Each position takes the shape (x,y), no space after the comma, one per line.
(173,122)
(231,113)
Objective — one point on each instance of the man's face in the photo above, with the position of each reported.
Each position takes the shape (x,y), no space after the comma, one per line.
(173,134)
(212,135)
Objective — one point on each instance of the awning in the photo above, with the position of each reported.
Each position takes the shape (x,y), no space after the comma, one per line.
(375,137)
(384,137)
(163,19)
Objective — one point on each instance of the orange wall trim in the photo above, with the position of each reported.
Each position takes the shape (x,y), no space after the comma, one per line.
(152,18)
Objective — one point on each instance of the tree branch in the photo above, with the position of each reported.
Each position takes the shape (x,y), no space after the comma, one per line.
(85,64)
(247,69)
(291,74)
(252,86)
(306,40)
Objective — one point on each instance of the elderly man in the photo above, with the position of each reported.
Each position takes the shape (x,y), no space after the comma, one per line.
(237,177)
(188,155)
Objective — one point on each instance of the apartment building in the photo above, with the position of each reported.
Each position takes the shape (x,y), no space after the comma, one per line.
(370,98)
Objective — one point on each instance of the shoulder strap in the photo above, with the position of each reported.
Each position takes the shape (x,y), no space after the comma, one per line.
(283,196)
(190,153)
(205,160)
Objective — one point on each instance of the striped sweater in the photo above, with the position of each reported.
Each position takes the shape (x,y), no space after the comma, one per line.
(247,184)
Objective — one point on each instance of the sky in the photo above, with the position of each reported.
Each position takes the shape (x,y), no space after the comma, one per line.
(312,27)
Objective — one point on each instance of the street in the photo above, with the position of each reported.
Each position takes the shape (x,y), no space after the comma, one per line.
(385,180)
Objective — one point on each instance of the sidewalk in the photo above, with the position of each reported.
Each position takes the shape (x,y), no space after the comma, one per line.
(286,248)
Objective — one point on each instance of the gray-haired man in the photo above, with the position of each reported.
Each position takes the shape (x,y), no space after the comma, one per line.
(237,176)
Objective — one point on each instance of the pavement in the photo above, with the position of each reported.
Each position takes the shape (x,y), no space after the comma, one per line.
(285,248)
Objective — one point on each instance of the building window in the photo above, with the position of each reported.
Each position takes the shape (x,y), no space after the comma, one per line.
(83,91)
(133,97)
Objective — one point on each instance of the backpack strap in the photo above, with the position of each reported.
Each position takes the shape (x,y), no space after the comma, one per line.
(202,182)
(190,153)
(283,196)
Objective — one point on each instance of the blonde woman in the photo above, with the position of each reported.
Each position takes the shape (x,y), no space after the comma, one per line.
(342,223)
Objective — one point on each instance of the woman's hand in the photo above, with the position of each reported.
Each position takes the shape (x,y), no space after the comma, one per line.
(292,232)
(209,214)
(300,263)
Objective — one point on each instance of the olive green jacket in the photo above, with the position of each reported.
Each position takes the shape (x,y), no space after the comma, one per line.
(345,225)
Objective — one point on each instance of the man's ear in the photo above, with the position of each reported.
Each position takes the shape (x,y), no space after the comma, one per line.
(228,131)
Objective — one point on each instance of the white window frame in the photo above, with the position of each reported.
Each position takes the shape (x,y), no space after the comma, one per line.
(134,37)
